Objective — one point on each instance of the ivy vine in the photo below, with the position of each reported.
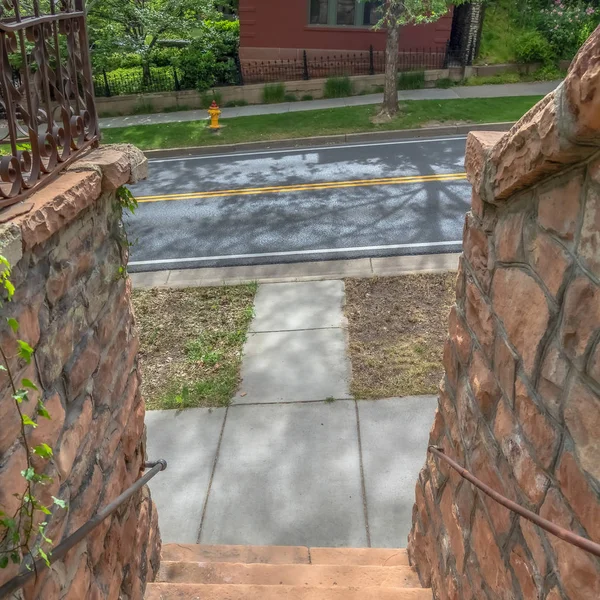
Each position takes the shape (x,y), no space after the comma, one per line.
(20,537)
(127,202)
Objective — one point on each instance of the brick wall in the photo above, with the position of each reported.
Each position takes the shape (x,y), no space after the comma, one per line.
(519,404)
(74,309)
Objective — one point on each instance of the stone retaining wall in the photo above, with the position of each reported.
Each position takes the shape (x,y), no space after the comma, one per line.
(73,306)
(519,404)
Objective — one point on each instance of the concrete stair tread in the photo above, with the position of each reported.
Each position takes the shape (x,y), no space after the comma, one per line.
(188,591)
(284,555)
(312,575)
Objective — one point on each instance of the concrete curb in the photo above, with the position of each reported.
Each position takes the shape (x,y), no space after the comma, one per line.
(329,140)
(291,272)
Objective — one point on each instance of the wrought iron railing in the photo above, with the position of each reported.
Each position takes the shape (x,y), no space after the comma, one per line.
(564,534)
(30,570)
(47,111)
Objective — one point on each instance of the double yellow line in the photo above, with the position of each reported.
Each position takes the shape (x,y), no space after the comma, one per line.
(303,187)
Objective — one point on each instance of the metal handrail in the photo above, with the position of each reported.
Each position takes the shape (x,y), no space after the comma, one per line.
(18,581)
(563,534)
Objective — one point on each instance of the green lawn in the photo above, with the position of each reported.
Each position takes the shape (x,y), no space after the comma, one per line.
(350,119)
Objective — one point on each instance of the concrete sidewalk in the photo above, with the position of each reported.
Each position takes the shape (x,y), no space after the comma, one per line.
(540,88)
(294,460)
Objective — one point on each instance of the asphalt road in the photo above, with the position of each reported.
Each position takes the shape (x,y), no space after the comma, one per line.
(360,200)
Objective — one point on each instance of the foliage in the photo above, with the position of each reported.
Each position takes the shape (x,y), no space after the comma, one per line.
(411,81)
(567,25)
(208,97)
(210,59)
(444,83)
(137,26)
(23,533)
(307,98)
(532,46)
(273,93)
(337,87)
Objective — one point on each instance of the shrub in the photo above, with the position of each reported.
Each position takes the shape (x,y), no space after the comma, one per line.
(444,83)
(307,97)
(531,46)
(207,98)
(411,81)
(290,98)
(566,27)
(337,87)
(273,93)
(548,73)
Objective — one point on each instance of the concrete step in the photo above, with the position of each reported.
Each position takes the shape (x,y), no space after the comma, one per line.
(288,555)
(188,591)
(289,575)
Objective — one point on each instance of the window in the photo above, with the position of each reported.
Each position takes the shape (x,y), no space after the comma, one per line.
(353,13)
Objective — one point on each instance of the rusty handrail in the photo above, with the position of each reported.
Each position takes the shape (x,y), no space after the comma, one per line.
(563,534)
(18,581)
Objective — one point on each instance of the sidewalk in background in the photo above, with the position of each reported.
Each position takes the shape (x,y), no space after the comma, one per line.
(540,88)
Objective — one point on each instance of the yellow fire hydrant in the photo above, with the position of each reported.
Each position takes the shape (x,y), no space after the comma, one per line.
(214,113)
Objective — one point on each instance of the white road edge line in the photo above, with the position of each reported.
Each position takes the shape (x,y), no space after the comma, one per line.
(294,253)
(306,149)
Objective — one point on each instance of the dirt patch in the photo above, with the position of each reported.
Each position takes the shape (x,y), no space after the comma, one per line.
(397,327)
(191,343)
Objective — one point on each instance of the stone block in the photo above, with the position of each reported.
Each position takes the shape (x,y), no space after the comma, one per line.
(582,93)
(581,318)
(589,239)
(476,251)
(533,537)
(559,205)
(113,165)
(450,362)
(582,417)
(531,479)
(484,386)
(12,481)
(522,568)
(70,441)
(508,236)
(82,366)
(479,145)
(578,491)
(550,261)
(553,377)
(505,367)
(459,335)
(579,572)
(455,534)
(542,433)
(138,163)
(593,368)
(522,307)
(480,318)
(11,243)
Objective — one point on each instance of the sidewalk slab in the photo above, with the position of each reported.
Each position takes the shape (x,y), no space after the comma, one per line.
(394,437)
(188,441)
(295,306)
(294,366)
(397,265)
(288,475)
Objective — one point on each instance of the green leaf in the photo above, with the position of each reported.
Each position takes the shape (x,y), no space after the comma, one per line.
(43,450)
(27,383)
(3,562)
(59,502)
(27,421)
(44,509)
(28,473)
(4,261)
(25,351)
(8,523)
(44,556)
(20,396)
(15,558)
(42,412)
(10,288)
(13,324)
(2,368)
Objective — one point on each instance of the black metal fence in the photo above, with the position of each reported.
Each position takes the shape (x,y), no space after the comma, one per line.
(360,63)
(306,67)
(109,84)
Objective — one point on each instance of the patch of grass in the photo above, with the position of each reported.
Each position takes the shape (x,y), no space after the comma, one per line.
(330,400)
(493,79)
(143,108)
(290,98)
(397,327)
(307,97)
(337,87)
(411,81)
(444,83)
(348,119)
(191,344)
(273,93)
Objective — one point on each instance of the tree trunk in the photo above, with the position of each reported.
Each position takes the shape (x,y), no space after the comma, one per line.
(389,108)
